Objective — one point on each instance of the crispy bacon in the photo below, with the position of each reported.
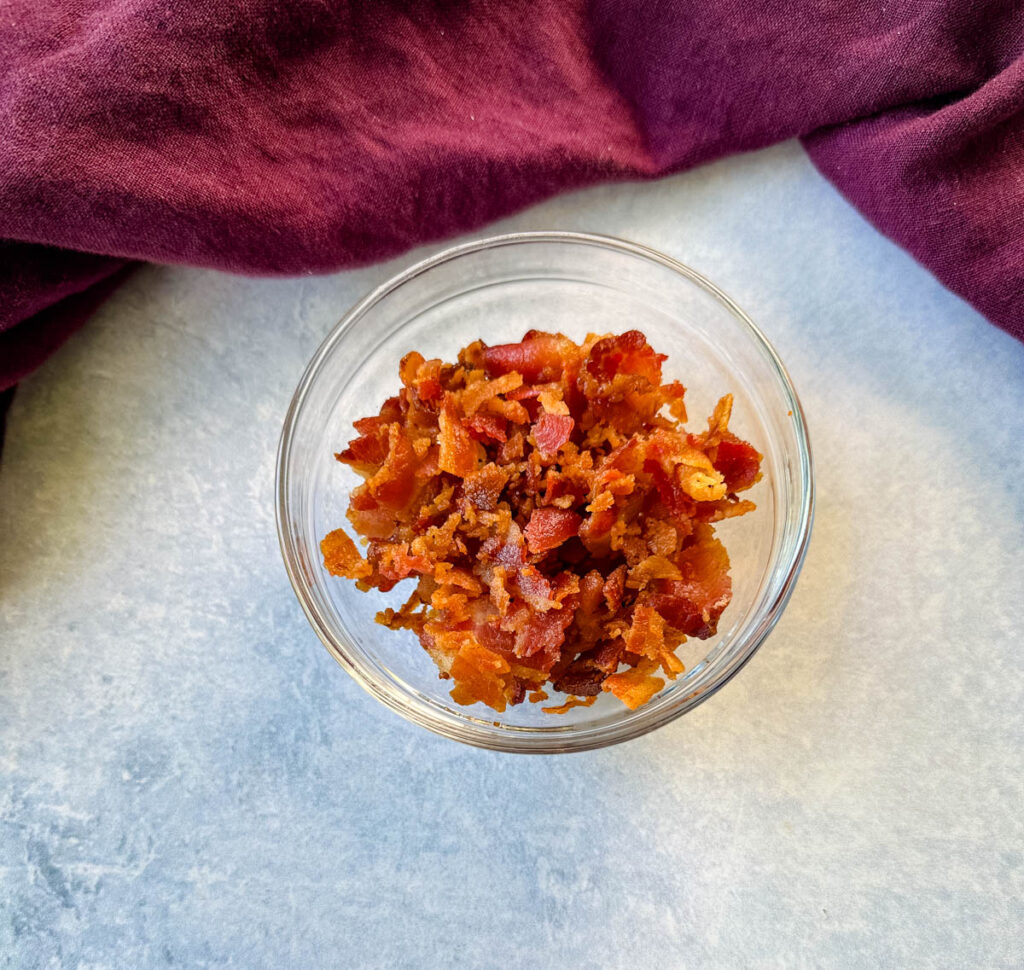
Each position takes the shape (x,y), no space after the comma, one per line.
(551,431)
(549,528)
(738,462)
(538,358)
(553,513)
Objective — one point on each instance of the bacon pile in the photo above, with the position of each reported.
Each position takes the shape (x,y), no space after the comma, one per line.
(554,513)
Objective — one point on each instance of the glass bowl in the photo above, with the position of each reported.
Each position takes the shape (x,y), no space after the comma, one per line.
(497,289)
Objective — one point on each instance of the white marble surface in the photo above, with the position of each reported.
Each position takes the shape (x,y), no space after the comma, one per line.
(189,780)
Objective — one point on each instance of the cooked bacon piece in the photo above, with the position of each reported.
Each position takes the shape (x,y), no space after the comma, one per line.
(569,705)
(537,358)
(549,528)
(628,353)
(551,431)
(368,517)
(646,636)
(651,568)
(480,391)
(394,483)
(583,681)
(483,426)
(458,451)
(635,686)
(342,558)
(614,587)
(694,603)
(738,463)
(479,675)
(482,488)
(552,513)
(542,633)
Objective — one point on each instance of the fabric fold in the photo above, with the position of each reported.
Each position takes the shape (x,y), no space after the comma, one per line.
(273,137)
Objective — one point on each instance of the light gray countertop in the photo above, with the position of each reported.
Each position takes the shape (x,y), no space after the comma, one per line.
(188,779)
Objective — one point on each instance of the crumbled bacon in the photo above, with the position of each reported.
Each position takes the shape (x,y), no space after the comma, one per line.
(341,557)
(548,528)
(737,462)
(551,431)
(554,513)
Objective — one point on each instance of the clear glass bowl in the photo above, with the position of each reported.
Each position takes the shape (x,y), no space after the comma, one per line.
(497,289)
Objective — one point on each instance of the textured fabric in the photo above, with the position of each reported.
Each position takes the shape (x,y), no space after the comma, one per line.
(294,136)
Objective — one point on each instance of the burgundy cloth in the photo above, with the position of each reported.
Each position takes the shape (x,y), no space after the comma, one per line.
(294,136)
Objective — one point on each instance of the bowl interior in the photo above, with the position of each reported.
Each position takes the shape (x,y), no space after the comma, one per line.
(497,291)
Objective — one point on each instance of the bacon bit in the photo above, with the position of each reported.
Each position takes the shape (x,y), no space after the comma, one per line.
(661,537)
(634,687)
(483,426)
(552,402)
(535,588)
(446,599)
(394,562)
(553,514)
(478,675)
(507,550)
(538,357)
(366,453)
(368,517)
(529,391)
(511,411)
(475,394)
(607,656)
(513,449)
(718,423)
(400,620)
(727,509)
(626,354)
(646,636)
(409,367)
(341,557)
(686,467)
(624,539)
(674,393)
(440,504)
(483,487)
(700,485)
(445,572)
(616,483)
(590,589)
(542,633)
(549,528)
(693,604)
(737,462)
(458,454)
(551,431)
(569,705)
(429,389)
(565,587)
(582,678)
(500,596)
(651,568)
(596,532)
(422,378)
(616,629)
(395,483)
(614,587)
(671,665)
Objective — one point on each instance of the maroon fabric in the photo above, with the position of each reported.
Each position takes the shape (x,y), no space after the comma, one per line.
(292,136)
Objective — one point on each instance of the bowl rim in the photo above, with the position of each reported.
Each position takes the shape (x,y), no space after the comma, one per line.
(557,739)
